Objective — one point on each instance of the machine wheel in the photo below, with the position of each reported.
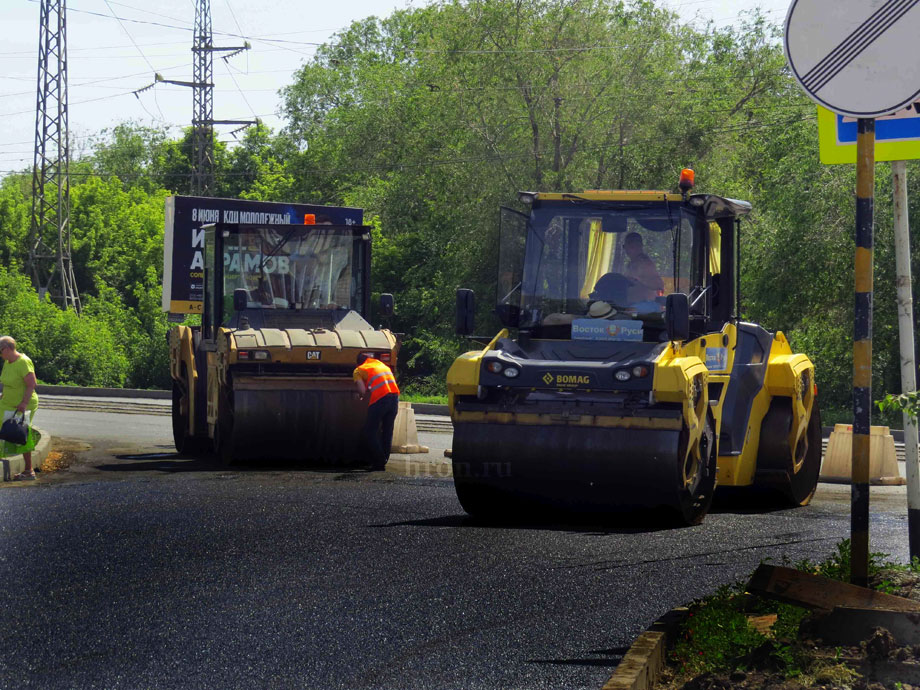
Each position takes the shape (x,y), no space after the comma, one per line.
(803,478)
(179,420)
(794,477)
(697,476)
(223,437)
(185,444)
(481,501)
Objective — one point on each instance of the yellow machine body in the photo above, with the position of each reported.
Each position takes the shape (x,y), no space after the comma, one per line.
(267,383)
(553,417)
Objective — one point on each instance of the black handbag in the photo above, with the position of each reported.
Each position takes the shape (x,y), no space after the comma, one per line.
(16,431)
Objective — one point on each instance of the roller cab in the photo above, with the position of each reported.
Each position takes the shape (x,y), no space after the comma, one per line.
(268,374)
(624,377)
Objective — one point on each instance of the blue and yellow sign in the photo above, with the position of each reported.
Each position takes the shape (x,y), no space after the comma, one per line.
(897,136)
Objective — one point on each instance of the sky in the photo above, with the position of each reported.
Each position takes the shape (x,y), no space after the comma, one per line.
(115,47)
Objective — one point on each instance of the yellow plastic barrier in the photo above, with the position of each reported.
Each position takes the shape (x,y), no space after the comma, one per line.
(838,458)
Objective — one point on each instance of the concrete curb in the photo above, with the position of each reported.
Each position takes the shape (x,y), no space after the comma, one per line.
(430,408)
(16,463)
(642,665)
(102,392)
(42,389)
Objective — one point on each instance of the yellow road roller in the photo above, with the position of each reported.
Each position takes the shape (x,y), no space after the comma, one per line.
(624,377)
(268,374)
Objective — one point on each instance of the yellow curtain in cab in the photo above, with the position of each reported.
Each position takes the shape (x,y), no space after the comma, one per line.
(715,248)
(600,249)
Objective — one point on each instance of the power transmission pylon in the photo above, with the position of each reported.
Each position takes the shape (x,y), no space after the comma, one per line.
(49,233)
(202,85)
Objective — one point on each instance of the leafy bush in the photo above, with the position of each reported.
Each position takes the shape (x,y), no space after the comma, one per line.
(64,347)
(905,402)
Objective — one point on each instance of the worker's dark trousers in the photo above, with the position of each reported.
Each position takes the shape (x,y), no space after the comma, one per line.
(378,429)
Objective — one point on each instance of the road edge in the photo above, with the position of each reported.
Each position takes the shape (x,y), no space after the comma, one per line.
(85,391)
(16,463)
(642,665)
(88,392)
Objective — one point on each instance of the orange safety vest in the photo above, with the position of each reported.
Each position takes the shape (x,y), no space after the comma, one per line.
(380,380)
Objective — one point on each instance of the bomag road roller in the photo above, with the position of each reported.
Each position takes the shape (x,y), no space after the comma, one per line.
(624,376)
(268,374)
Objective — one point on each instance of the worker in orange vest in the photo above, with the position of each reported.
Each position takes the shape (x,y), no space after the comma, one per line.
(375,381)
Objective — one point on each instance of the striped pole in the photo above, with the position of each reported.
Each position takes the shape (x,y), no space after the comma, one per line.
(862,353)
(906,334)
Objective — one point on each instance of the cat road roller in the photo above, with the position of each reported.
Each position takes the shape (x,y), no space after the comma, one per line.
(268,374)
(624,377)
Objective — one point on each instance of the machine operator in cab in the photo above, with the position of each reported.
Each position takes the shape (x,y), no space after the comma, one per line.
(642,270)
(376,383)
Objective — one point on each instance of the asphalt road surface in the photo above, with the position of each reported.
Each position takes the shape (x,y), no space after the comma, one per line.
(138,568)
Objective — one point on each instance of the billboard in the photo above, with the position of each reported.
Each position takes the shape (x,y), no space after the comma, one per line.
(183,239)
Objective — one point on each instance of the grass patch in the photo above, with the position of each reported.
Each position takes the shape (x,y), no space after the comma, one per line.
(419,398)
(717,635)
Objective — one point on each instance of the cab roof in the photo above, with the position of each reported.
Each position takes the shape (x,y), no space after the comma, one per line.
(713,206)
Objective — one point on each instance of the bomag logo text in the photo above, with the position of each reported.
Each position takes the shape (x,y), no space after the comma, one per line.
(566,380)
(571,379)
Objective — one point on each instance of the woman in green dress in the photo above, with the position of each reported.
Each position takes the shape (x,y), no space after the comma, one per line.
(19,396)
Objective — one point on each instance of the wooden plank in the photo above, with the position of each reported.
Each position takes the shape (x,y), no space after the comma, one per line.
(817,592)
(763,624)
(845,625)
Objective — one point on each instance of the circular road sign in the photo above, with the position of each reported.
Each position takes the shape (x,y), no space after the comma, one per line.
(855,57)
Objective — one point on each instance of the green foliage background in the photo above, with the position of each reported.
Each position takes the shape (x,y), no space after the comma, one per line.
(432,118)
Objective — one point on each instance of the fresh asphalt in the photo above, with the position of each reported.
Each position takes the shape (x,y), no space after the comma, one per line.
(138,568)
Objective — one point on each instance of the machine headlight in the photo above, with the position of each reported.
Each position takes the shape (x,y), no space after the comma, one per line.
(511,372)
(495,367)
(640,371)
(244,355)
(622,375)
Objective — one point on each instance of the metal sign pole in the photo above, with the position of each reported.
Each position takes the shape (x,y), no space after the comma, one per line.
(906,331)
(848,55)
(862,353)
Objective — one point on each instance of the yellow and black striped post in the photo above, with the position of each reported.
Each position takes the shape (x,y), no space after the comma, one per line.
(862,353)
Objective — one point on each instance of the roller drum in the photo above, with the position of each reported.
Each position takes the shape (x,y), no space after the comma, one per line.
(316,425)
(581,469)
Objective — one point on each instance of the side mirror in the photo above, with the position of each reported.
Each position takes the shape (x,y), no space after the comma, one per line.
(466,311)
(240,299)
(386,305)
(677,316)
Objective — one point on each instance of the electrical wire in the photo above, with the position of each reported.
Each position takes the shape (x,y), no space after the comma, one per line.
(226,64)
(149,64)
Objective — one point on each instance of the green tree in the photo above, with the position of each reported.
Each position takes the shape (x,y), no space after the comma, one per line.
(256,168)
(432,118)
(65,347)
(15,217)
